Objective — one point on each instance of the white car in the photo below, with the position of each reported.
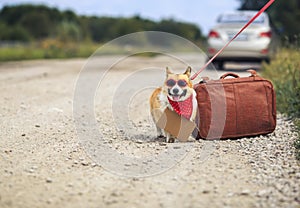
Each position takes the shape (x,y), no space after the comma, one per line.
(253,44)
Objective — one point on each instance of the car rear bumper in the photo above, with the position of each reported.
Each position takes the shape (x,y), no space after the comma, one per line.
(242,55)
(240,51)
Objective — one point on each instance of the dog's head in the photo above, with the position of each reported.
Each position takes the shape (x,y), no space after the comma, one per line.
(178,87)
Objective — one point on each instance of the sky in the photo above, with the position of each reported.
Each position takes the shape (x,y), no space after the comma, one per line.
(200,12)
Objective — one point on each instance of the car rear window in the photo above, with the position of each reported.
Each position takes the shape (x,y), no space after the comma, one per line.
(240,18)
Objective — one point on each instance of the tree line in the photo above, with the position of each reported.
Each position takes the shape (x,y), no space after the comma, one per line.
(35,22)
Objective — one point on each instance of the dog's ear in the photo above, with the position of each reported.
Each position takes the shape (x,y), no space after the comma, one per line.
(168,71)
(188,71)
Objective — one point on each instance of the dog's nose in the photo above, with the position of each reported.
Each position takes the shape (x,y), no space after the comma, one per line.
(175,91)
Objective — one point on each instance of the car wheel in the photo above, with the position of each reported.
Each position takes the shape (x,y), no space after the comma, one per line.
(219,65)
(267,60)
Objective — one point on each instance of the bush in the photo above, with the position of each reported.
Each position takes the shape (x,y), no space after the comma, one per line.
(16,33)
(47,49)
(284,71)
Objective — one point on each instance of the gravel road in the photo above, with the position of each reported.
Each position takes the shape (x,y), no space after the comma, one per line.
(50,156)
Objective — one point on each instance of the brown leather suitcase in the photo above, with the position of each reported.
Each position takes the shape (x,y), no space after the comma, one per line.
(235,107)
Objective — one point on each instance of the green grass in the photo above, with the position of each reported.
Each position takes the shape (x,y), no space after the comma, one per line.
(284,71)
(54,48)
(47,49)
(20,53)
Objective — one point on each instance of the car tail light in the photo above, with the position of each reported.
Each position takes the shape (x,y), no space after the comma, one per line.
(213,34)
(266,34)
(212,50)
(264,51)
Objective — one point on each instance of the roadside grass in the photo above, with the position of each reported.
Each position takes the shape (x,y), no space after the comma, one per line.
(284,71)
(20,53)
(47,49)
(58,49)
(53,49)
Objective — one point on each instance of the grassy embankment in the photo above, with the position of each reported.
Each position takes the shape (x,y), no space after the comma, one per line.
(56,49)
(47,49)
(284,71)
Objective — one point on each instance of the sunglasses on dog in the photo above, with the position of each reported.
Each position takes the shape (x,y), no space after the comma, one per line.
(172,82)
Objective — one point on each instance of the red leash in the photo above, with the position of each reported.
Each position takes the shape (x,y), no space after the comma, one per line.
(222,49)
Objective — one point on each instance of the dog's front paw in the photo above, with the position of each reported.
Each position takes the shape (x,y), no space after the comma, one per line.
(170,140)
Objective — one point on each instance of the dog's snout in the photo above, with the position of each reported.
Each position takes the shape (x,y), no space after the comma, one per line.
(175,91)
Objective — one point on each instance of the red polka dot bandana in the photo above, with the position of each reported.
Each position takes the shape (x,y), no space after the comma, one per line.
(183,108)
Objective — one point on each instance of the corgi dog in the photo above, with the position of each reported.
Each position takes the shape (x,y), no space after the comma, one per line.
(178,95)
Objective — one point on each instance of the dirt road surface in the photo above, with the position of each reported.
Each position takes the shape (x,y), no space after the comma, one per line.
(45,162)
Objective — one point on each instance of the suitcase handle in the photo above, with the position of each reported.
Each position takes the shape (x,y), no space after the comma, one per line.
(229,74)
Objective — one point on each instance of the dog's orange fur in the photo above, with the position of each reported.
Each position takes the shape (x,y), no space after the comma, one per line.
(154,99)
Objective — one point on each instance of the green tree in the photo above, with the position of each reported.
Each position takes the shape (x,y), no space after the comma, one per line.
(186,30)
(38,24)
(17,33)
(99,27)
(25,22)
(68,31)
